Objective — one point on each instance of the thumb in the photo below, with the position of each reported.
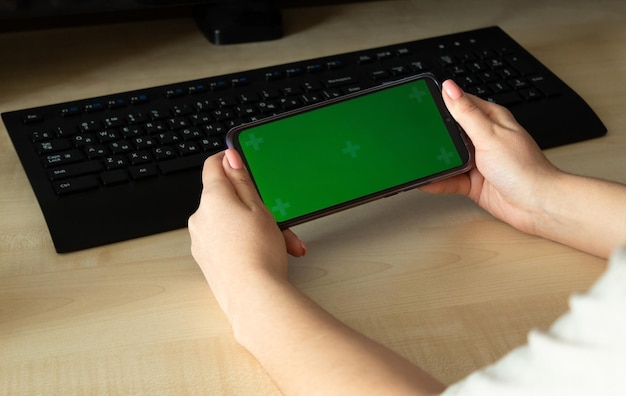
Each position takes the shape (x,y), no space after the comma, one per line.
(471,114)
(240,179)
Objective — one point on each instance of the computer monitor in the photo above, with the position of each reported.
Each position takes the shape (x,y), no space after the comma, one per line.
(221,21)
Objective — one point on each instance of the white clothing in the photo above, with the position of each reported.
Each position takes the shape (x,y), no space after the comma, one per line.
(583,353)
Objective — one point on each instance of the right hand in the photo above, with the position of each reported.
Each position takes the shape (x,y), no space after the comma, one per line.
(511,172)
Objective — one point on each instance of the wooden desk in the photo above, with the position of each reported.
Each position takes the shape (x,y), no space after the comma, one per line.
(432,277)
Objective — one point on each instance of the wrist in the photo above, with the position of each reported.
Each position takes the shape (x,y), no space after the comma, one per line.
(549,215)
(580,212)
(252,302)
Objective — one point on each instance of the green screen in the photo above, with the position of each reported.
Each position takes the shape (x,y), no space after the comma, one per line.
(335,154)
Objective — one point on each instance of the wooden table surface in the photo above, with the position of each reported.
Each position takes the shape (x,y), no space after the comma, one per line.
(433,277)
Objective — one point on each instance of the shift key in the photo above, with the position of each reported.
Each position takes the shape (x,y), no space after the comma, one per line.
(73,170)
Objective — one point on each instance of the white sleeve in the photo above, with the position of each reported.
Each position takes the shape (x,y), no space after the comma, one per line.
(583,353)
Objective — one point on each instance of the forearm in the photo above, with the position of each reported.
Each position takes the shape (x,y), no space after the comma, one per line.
(307,351)
(585,213)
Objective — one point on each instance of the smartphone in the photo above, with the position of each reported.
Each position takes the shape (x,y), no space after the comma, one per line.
(351,150)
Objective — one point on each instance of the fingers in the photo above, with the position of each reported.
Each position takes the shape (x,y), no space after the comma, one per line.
(295,246)
(459,184)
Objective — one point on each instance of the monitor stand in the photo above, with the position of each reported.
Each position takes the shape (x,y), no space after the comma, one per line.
(240,22)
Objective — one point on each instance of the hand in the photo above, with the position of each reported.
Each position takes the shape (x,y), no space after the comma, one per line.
(243,255)
(510,174)
(233,235)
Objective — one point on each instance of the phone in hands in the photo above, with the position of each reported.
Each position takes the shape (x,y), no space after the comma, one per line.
(354,149)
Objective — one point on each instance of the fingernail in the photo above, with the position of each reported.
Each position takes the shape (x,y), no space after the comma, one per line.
(452,90)
(234,160)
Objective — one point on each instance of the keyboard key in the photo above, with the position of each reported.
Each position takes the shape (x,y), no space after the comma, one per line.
(334,64)
(403,51)
(248,97)
(218,85)
(174,93)
(116,103)
(364,59)
(66,157)
(518,83)
(83,140)
(106,136)
(143,171)
(120,147)
(32,118)
(37,136)
(240,81)
(447,60)
(178,122)
(197,89)
(181,164)
(73,170)
(114,122)
(113,177)
(274,75)
(383,55)
(311,98)
(90,126)
(379,75)
(294,71)
(507,98)
(95,151)
(314,68)
(420,66)
(139,157)
(213,144)
(134,118)
(139,99)
(547,87)
(53,146)
(290,103)
(93,107)
(340,81)
(131,131)
(400,71)
(530,94)
(188,148)
(65,131)
(478,90)
(75,185)
(115,162)
(499,87)
(142,143)
(70,111)
(168,138)
(291,90)
(164,153)
(521,64)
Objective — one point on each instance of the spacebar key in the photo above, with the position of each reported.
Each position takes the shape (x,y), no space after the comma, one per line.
(182,164)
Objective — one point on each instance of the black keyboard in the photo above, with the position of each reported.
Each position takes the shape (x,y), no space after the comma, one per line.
(122,166)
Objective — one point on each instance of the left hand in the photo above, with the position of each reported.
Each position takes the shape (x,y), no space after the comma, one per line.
(234,237)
